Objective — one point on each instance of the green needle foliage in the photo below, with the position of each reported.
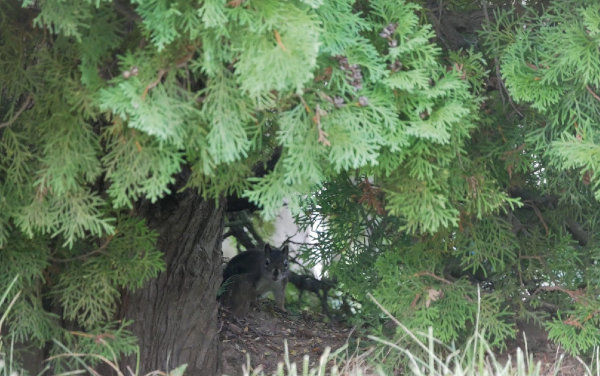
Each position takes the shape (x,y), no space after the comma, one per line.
(479,196)
(422,184)
(553,67)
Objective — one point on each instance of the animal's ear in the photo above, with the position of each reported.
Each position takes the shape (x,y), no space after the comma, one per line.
(267,251)
(285,250)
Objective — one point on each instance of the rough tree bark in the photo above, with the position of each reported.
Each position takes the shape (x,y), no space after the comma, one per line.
(175,315)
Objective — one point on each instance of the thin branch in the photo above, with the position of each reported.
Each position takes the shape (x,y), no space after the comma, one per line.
(502,87)
(161,73)
(153,84)
(25,104)
(592,92)
(538,213)
(184,60)
(573,294)
(290,241)
(322,134)
(520,273)
(306,108)
(539,258)
(435,21)
(86,255)
(279,42)
(430,274)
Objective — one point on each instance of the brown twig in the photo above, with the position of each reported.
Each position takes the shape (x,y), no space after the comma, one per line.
(306,108)
(161,72)
(322,134)
(573,294)
(235,3)
(153,84)
(592,92)
(26,103)
(538,213)
(184,60)
(413,304)
(279,42)
(98,338)
(430,274)
(591,315)
(86,255)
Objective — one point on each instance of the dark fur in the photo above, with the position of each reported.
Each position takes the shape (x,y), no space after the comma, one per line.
(252,274)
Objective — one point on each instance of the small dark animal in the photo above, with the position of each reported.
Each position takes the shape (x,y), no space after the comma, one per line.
(254,273)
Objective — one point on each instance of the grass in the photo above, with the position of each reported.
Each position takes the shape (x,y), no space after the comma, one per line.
(476,359)
(9,367)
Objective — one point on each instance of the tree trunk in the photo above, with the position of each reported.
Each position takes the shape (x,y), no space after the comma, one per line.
(175,314)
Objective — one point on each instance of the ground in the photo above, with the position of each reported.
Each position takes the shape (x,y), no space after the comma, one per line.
(263,332)
(544,351)
(261,335)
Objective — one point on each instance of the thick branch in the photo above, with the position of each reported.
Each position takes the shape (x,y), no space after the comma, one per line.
(242,229)
(547,202)
(242,237)
(124,9)
(251,229)
(578,233)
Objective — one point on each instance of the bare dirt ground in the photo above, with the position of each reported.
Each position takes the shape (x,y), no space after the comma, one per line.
(261,335)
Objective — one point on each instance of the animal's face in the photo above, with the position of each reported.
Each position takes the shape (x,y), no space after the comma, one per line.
(276,262)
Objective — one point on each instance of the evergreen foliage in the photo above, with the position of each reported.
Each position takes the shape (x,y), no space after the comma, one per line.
(422,183)
(517,202)
(552,66)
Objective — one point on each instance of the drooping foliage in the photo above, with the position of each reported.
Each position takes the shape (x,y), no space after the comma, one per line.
(104,103)
(422,183)
(523,189)
(551,67)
